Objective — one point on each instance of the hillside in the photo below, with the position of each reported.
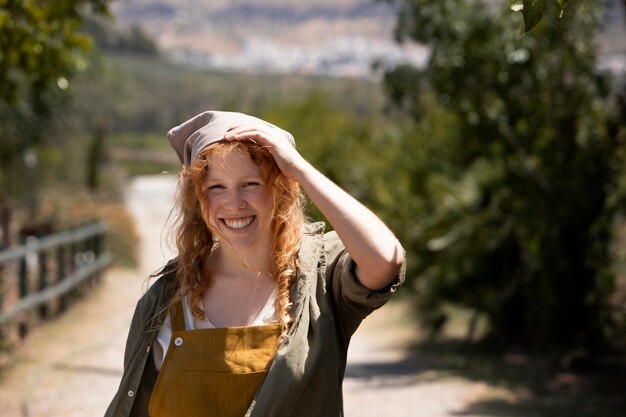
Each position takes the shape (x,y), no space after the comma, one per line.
(322,37)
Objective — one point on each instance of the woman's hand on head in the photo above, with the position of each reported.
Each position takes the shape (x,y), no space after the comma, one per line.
(286,156)
(374,248)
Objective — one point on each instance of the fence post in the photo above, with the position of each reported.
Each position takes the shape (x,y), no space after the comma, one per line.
(43,281)
(77,262)
(5,221)
(23,291)
(97,245)
(61,262)
(2,282)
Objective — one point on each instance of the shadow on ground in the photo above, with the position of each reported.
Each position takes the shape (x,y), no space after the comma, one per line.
(382,374)
(524,386)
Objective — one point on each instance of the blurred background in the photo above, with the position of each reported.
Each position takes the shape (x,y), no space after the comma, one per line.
(489,135)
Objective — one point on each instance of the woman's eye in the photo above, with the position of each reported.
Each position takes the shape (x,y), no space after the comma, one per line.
(215,187)
(251,184)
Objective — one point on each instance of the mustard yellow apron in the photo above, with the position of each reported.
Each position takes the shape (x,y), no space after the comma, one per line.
(212,372)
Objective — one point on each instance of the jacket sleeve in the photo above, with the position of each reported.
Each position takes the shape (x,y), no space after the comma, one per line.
(353,301)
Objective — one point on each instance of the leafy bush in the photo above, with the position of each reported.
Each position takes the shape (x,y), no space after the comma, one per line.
(513,172)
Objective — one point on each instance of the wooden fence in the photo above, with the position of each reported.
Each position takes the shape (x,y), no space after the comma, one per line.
(46,271)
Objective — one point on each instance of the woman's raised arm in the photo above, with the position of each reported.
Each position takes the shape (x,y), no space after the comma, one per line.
(376,251)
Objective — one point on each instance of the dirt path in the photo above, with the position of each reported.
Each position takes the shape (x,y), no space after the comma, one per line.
(384,379)
(71,367)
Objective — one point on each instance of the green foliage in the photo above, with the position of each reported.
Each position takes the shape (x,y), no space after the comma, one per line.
(515,168)
(335,139)
(41,47)
(532,11)
(40,42)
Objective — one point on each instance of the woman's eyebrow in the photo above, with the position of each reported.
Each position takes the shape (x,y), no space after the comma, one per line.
(242,178)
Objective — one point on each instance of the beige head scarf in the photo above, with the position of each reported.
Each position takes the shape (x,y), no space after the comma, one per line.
(189,138)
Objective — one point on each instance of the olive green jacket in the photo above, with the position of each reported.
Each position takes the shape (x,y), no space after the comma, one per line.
(305,378)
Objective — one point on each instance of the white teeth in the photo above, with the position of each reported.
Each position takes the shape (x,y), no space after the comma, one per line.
(238,223)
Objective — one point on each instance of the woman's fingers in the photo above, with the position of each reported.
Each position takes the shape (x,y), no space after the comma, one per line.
(285,155)
(252,132)
(272,138)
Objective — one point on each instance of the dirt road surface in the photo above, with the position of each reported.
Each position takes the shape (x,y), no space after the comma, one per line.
(71,367)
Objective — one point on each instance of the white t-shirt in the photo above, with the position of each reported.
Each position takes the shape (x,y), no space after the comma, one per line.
(267,315)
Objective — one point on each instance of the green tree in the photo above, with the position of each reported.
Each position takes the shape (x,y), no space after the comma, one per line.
(39,41)
(41,47)
(515,187)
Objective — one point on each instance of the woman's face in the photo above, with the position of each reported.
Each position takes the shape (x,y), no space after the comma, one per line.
(238,204)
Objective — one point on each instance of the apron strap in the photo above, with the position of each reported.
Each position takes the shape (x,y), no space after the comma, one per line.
(178,319)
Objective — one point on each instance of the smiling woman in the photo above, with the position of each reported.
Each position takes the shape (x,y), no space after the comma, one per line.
(255,315)
(237,198)
(248,208)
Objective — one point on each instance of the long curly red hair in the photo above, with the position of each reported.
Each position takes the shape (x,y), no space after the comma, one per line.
(195,241)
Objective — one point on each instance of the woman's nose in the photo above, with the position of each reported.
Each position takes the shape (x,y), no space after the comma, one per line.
(236,201)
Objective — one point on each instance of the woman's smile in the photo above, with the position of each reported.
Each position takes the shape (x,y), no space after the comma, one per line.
(238,223)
